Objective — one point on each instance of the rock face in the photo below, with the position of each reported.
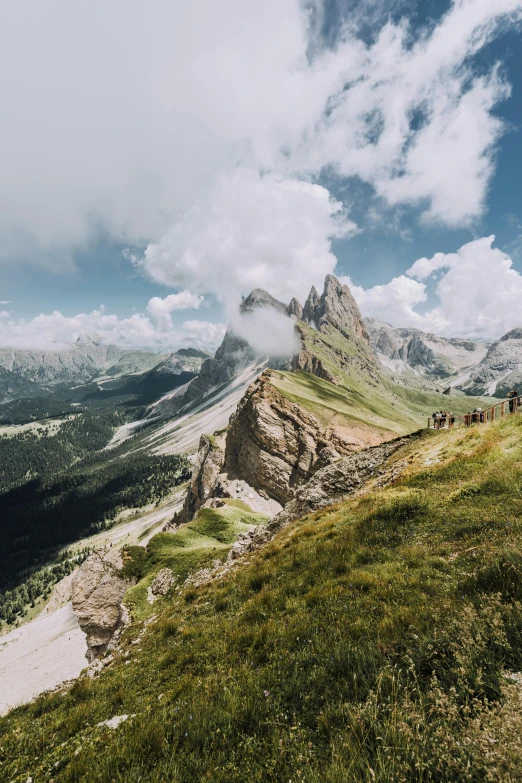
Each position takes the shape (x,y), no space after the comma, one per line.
(97,594)
(261,298)
(412,352)
(275,445)
(309,362)
(208,465)
(232,356)
(501,369)
(335,482)
(329,485)
(295,309)
(335,308)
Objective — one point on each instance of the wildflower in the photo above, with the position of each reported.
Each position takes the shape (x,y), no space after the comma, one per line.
(267,693)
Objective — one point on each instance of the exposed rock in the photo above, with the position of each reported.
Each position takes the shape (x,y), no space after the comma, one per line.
(336,308)
(208,465)
(261,298)
(501,369)
(328,486)
(308,362)
(275,445)
(161,584)
(232,356)
(97,594)
(410,351)
(310,306)
(295,308)
(337,481)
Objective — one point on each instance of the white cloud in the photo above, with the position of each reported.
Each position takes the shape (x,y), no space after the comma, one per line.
(120,116)
(479,293)
(4,314)
(393,302)
(267,331)
(252,231)
(4,302)
(56,331)
(160,309)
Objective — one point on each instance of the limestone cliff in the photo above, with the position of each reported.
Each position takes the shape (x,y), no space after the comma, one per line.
(336,308)
(501,368)
(276,445)
(97,594)
(207,468)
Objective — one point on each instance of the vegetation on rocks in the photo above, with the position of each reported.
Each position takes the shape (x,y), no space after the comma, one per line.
(377,640)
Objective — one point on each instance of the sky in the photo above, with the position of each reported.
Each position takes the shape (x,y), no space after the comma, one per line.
(160,159)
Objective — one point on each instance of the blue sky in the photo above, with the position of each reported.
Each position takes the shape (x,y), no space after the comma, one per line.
(65,230)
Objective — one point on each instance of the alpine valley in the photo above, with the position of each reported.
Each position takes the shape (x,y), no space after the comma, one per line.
(246,567)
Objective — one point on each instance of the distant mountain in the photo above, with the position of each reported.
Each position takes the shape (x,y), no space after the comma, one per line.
(500,370)
(26,373)
(410,351)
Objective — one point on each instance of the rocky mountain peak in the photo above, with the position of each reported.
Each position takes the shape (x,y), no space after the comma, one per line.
(295,308)
(310,305)
(337,308)
(514,334)
(261,298)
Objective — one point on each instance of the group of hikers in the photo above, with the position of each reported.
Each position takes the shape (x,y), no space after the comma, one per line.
(441,417)
(478,416)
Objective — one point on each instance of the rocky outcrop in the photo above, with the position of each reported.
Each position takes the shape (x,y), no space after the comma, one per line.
(328,486)
(208,465)
(276,445)
(295,308)
(97,594)
(336,308)
(260,298)
(162,583)
(232,356)
(501,369)
(309,362)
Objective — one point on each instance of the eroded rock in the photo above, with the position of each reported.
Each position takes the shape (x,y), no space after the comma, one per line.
(276,445)
(97,594)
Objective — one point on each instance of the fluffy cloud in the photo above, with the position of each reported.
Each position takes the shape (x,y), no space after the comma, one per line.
(56,331)
(160,309)
(268,332)
(252,231)
(118,117)
(478,290)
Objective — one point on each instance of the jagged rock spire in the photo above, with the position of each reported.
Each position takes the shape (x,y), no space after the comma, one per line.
(311,305)
(295,308)
(336,307)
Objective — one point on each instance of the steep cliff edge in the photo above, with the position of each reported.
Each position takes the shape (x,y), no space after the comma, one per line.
(276,445)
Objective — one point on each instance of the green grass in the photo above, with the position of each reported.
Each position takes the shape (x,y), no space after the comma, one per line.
(358,403)
(194,546)
(366,642)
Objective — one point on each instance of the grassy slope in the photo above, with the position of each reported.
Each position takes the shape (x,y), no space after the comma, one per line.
(194,546)
(364,643)
(383,406)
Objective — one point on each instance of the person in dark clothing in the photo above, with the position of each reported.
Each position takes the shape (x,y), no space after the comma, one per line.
(513,401)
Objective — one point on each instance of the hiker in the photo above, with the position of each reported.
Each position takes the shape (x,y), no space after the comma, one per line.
(443,417)
(513,400)
(474,416)
(451,419)
(481,415)
(435,418)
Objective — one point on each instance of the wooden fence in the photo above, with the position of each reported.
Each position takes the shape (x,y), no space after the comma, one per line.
(478,416)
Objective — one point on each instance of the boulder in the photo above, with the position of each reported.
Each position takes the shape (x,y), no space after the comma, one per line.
(97,594)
